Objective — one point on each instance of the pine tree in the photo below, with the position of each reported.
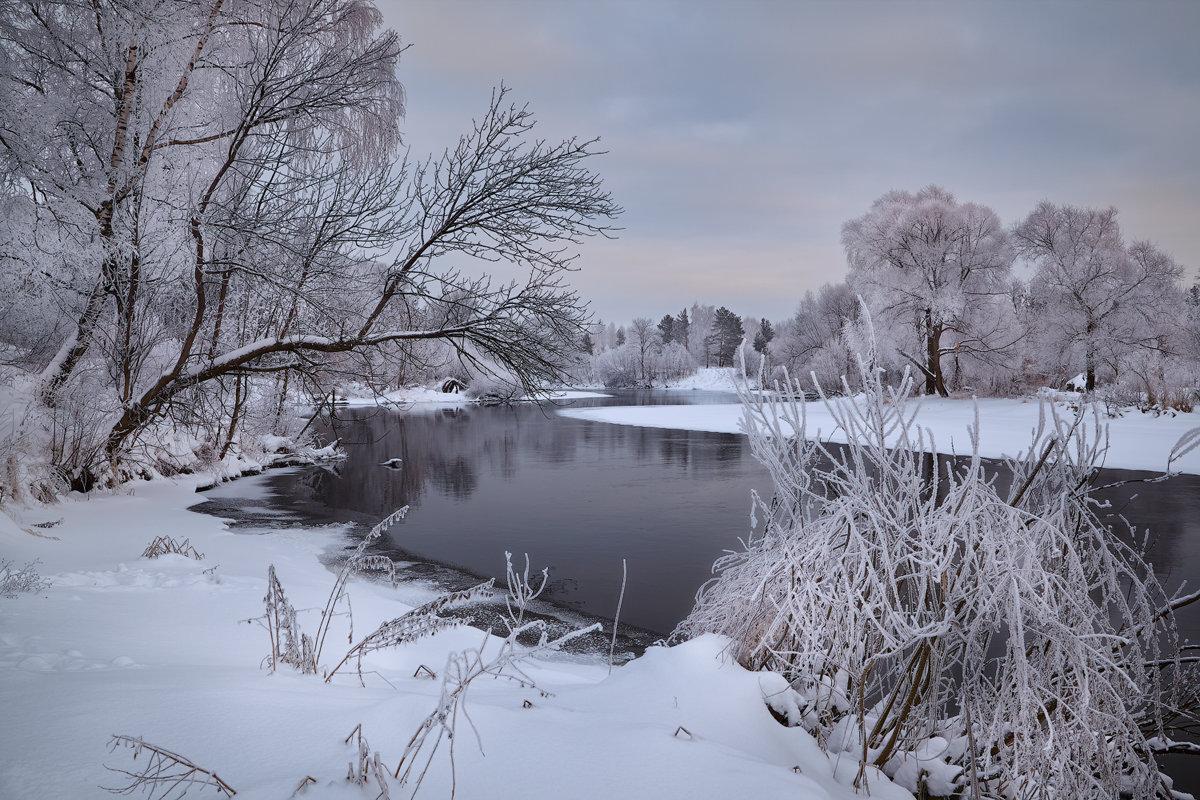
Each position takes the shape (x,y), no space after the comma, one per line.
(681,327)
(727,333)
(764,336)
(667,328)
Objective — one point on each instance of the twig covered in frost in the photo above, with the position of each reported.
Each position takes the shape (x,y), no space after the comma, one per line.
(520,591)
(358,561)
(422,621)
(166,775)
(289,645)
(966,640)
(463,668)
(617,619)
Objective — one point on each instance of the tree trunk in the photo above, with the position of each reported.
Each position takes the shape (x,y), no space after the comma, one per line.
(935,382)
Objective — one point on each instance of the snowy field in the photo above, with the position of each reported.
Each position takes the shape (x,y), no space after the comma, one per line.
(160,649)
(1136,441)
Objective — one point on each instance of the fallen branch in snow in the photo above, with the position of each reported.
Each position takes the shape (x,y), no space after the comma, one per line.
(167,775)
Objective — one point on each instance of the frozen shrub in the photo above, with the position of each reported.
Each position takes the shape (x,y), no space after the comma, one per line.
(970,637)
(25,580)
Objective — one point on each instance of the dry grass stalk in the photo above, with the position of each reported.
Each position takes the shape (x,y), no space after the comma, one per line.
(288,644)
(416,624)
(367,766)
(164,545)
(166,775)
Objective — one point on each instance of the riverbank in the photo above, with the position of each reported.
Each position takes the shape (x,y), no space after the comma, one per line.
(161,649)
(1136,441)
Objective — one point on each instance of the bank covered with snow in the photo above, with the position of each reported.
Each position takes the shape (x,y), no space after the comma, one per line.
(1137,441)
(160,648)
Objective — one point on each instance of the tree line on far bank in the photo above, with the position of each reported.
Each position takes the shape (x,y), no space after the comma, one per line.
(945,289)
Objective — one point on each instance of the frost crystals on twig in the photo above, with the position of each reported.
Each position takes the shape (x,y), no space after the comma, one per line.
(166,775)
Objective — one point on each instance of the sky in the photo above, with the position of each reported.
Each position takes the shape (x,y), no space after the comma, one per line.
(741,136)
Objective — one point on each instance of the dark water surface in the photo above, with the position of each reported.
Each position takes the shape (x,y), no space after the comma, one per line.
(577,496)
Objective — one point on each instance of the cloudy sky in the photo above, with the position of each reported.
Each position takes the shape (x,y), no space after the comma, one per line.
(742,135)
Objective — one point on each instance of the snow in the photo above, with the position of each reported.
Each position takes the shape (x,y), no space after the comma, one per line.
(161,649)
(359,397)
(715,379)
(1136,441)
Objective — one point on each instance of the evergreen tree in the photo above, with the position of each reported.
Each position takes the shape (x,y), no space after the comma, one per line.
(680,328)
(620,336)
(586,345)
(727,333)
(667,328)
(764,336)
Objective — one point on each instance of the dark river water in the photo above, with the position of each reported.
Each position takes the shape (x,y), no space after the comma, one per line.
(576,496)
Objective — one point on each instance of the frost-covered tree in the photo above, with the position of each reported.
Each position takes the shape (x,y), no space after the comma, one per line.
(971,637)
(937,272)
(204,195)
(645,337)
(1095,301)
(699,328)
(813,341)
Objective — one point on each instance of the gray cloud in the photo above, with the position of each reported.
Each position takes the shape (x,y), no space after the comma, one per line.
(741,135)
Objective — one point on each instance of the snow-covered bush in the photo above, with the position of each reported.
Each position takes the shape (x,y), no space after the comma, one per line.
(968,634)
(25,580)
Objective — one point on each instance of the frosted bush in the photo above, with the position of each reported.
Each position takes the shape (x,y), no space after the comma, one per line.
(965,635)
(25,580)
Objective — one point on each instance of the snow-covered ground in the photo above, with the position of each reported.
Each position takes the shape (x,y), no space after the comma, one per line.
(420,394)
(1136,441)
(160,648)
(715,379)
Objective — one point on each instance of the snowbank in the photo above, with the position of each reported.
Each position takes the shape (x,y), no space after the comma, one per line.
(1136,441)
(161,649)
(421,395)
(715,379)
